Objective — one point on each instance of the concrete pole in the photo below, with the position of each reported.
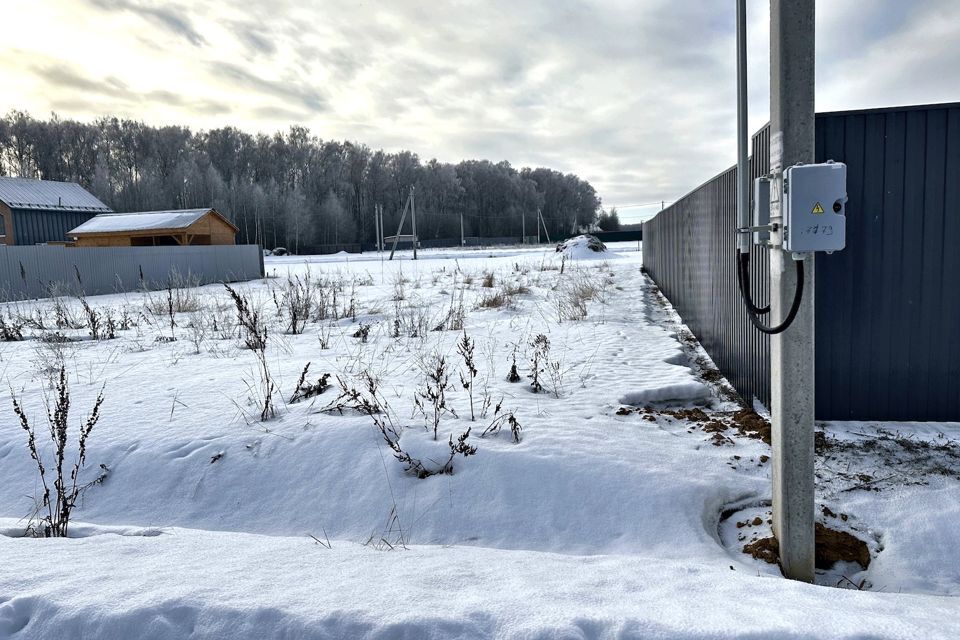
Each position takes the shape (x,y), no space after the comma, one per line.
(791,352)
(413,222)
(743,177)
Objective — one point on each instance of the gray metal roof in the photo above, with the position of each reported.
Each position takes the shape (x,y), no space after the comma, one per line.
(27,193)
(143,221)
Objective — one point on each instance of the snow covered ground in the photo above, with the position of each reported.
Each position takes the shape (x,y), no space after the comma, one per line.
(621,512)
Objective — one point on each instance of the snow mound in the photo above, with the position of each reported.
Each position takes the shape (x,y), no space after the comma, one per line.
(680,392)
(585,247)
(15,528)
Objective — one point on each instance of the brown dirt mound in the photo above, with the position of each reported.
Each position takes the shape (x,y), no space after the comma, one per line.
(766,549)
(752,425)
(835,546)
(831,547)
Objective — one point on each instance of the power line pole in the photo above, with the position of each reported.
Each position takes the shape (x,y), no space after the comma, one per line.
(413,221)
(462,243)
(544,223)
(792,352)
(403,217)
(523,223)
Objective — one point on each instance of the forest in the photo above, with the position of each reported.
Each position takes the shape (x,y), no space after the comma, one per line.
(292,188)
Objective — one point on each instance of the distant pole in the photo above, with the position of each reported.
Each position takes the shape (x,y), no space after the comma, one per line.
(376,226)
(523,222)
(792,64)
(462,242)
(403,217)
(413,219)
(544,223)
(663,203)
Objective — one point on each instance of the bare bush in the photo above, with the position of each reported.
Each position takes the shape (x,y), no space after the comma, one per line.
(63,315)
(297,303)
(434,391)
(255,339)
(11,331)
(255,331)
(513,375)
(306,389)
(465,348)
(198,328)
(363,332)
(573,295)
(180,296)
(101,326)
(399,289)
(365,399)
(51,517)
(499,421)
(539,361)
(325,334)
(494,300)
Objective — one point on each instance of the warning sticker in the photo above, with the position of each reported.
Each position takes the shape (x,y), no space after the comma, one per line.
(817,208)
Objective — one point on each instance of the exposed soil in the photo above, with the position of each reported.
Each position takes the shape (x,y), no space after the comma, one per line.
(832,546)
(747,422)
(752,425)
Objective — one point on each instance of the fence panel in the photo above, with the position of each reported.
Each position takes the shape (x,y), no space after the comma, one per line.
(887,307)
(37,271)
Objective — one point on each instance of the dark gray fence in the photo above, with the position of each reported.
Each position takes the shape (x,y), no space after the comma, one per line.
(38,271)
(326,249)
(887,307)
(620,236)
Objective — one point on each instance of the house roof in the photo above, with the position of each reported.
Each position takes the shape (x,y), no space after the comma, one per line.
(27,193)
(144,221)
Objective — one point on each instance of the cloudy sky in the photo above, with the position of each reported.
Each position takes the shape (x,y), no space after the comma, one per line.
(636,96)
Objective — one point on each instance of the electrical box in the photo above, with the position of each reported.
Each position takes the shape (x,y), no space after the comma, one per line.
(761,210)
(814,203)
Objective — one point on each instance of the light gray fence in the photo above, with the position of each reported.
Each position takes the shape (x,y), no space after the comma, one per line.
(39,271)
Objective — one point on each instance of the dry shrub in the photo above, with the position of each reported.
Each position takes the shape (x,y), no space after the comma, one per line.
(61,482)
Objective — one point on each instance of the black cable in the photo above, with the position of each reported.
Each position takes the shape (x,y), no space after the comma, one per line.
(743,280)
(794,308)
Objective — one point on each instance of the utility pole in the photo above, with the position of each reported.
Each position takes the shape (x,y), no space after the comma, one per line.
(376,225)
(544,223)
(462,243)
(523,227)
(791,352)
(413,221)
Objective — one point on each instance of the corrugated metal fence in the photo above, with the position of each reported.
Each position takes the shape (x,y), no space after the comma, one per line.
(888,306)
(38,271)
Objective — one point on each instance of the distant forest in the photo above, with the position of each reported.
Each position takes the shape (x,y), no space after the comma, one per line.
(293,189)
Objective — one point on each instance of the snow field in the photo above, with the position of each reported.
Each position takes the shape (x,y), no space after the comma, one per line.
(593,525)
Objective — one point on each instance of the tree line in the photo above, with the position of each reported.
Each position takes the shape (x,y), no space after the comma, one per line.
(292,188)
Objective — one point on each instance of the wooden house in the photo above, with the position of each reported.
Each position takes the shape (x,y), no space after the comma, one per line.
(156,229)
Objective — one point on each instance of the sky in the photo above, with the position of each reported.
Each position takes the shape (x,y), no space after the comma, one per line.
(638,97)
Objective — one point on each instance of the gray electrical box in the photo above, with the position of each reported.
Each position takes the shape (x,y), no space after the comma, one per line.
(761,210)
(814,202)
